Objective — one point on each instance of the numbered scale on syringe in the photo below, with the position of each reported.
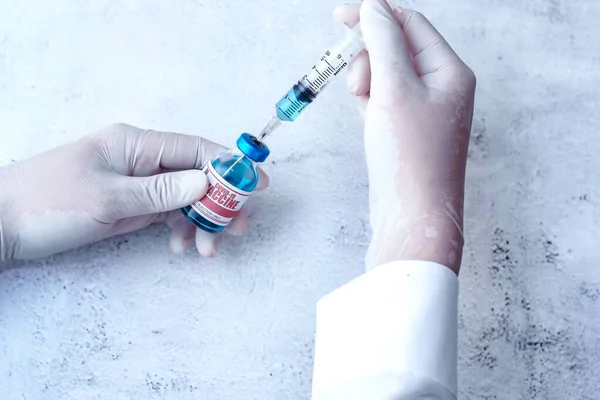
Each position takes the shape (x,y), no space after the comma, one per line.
(321,74)
(311,84)
(308,88)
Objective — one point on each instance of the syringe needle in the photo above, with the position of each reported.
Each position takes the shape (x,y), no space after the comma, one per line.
(273,124)
(233,165)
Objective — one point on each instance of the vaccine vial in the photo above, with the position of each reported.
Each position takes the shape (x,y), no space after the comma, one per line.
(232,176)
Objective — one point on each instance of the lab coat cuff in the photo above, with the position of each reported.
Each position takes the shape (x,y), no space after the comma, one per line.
(400,318)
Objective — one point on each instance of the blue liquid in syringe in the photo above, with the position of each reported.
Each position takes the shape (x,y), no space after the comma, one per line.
(294,102)
(304,92)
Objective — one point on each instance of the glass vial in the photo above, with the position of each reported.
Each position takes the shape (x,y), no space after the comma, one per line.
(232,177)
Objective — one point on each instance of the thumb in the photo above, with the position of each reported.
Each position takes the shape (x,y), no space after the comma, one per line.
(160,193)
(391,65)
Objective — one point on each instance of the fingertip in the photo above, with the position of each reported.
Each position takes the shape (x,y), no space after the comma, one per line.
(239,225)
(356,86)
(182,235)
(378,21)
(263,180)
(180,246)
(338,13)
(389,55)
(202,179)
(207,243)
(347,14)
(359,75)
(193,184)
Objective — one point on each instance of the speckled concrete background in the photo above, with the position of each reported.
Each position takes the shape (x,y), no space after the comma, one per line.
(126,319)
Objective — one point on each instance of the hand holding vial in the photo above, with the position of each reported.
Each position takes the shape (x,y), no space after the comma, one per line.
(115,181)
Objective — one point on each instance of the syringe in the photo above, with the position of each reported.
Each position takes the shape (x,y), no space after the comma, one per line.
(295,101)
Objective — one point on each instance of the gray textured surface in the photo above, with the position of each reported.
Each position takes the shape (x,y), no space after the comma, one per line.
(126,319)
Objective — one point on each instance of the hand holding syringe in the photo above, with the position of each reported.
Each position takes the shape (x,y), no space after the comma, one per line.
(295,101)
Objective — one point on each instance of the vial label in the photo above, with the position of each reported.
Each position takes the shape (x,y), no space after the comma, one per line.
(222,200)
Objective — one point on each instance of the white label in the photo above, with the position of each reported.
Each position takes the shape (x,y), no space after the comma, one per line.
(222,200)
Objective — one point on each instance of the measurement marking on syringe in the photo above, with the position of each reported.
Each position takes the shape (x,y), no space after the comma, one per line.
(323,71)
(285,112)
(293,106)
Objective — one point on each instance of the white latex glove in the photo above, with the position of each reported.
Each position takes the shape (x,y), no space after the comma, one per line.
(116,181)
(417,98)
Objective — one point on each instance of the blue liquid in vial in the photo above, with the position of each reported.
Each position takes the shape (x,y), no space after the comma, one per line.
(244,176)
(294,102)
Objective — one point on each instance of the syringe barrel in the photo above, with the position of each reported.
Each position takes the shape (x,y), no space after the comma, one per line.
(334,61)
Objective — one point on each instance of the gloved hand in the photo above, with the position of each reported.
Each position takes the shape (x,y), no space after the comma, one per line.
(116,181)
(417,99)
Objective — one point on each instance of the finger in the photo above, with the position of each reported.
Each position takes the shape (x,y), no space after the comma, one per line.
(361,104)
(207,243)
(239,225)
(391,66)
(263,180)
(347,14)
(178,151)
(430,50)
(156,194)
(359,74)
(138,152)
(123,226)
(359,70)
(160,218)
(173,217)
(182,235)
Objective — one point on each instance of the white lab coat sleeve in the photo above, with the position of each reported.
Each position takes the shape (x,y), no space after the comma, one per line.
(390,334)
